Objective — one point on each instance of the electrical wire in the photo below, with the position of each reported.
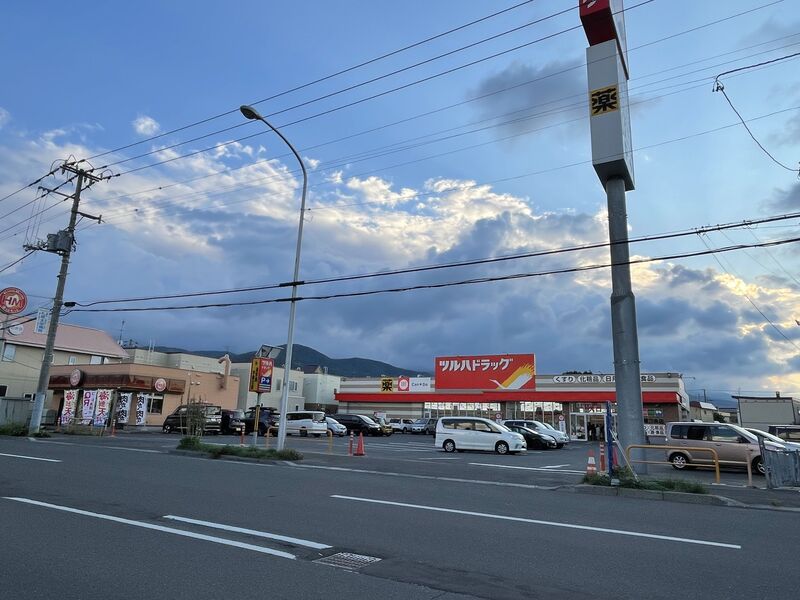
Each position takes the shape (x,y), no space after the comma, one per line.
(16,262)
(429,286)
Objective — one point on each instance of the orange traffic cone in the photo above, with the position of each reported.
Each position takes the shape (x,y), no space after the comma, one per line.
(360,447)
(591,468)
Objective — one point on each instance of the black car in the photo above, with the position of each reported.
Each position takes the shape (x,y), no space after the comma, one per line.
(189,417)
(232,422)
(267,417)
(534,439)
(359,424)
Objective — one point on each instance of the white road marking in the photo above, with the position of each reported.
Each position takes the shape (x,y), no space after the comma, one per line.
(180,532)
(264,534)
(101,446)
(30,457)
(553,466)
(470,513)
(440,458)
(545,469)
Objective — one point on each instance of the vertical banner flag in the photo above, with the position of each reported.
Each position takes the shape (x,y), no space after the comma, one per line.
(89,399)
(68,412)
(141,408)
(103,404)
(124,407)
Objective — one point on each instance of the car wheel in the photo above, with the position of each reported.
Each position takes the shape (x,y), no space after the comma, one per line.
(559,446)
(317,435)
(501,448)
(449,446)
(758,466)
(678,461)
(166,429)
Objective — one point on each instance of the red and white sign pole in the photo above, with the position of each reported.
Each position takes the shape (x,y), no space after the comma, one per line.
(612,157)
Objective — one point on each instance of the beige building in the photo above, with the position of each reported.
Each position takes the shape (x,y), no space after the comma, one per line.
(272,399)
(23,350)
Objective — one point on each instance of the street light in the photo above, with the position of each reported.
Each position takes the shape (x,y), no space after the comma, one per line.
(251,113)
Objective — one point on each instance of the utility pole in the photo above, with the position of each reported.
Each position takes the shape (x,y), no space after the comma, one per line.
(612,157)
(61,243)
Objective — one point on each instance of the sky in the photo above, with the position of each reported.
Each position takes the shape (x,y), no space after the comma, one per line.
(420,152)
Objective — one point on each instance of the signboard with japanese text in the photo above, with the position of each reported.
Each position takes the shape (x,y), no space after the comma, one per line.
(599,378)
(261,375)
(42,320)
(87,411)
(124,407)
(141,409)
(386,384)
(489,372)
(102,407)
(68,411)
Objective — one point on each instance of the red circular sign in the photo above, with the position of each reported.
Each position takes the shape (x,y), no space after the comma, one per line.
(160,384)
(13,300)
(402,384)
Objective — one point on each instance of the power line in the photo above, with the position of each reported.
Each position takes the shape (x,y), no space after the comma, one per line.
(430,286)
(321,79)
(463,263)
(19,260)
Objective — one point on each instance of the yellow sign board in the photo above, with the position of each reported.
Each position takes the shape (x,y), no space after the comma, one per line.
(387,383)
(603,100)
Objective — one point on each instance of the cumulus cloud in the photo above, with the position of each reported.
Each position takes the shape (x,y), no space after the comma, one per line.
(146,126)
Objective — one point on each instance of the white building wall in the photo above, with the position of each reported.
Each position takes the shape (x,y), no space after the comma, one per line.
(272,399)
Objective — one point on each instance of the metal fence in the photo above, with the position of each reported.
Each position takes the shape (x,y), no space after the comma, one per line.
(782,467)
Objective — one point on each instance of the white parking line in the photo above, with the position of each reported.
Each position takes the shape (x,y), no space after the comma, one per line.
(264,534)
(470,513)
(553,466)
(100,445)
(30,457)
(180,532)
(544,469)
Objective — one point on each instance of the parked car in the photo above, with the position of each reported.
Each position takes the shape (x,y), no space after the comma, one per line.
(386,427)
(476,433)
(401,425)
(306,422)
(267,417)
(790,433)
(359,424)
(424,426)
(731,442)
(560,437)
(231,422)
(183,418)
(773,441)
(534,439)
(335,427)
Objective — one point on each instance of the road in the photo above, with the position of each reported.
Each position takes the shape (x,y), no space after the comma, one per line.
(123,518)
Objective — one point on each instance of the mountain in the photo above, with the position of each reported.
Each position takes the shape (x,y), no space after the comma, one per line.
(304,356)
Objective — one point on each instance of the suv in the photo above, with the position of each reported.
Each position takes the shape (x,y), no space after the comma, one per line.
(731,442)
(359,424)
(207,417)
(401,425)
(232,421)
(424,426)
(267,417)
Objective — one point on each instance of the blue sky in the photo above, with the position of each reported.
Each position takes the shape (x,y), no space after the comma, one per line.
(459,178)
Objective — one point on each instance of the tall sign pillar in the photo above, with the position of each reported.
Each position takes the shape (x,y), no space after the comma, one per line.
(612,157)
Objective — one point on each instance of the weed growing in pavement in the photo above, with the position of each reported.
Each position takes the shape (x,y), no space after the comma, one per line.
(41,434)
(627,480)
(13,429)
(195,445)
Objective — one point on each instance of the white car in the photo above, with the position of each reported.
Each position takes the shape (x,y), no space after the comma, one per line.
(773,442)
(401,425)
(476,433)
(335,427)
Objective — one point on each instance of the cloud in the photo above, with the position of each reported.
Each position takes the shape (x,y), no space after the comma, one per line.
(146,126)
(5,117)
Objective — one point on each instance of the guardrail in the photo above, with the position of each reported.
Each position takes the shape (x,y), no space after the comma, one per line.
(714,456)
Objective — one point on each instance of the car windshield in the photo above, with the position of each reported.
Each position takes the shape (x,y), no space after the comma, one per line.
(420,421)
(213,410)
(331,421)
(498,427)
(237,414)
(549,426)
(767,436)
(368,420)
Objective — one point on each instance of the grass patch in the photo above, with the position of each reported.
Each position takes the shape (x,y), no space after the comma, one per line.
(626,480)
(41,434)
(16,429)
(193,444)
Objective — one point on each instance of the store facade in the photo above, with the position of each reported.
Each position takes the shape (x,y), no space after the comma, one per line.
(575,403)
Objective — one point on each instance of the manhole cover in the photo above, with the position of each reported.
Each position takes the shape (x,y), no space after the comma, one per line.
(347,560)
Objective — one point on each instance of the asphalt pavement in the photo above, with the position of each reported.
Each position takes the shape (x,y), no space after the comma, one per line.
(88,517)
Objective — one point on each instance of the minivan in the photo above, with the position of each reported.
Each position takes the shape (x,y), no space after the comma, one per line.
(305,422)
(185,418)
(731,442)
(476,433)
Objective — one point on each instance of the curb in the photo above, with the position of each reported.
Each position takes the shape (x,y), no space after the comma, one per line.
(709,499)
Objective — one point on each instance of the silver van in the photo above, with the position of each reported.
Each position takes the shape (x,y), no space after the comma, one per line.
(731,442)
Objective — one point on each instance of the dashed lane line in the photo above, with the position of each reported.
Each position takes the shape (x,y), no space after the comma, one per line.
(253,532)
(30,457)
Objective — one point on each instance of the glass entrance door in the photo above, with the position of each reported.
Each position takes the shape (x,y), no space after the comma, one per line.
(577,426)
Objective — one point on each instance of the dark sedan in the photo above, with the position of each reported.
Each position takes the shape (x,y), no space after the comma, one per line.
(534,439)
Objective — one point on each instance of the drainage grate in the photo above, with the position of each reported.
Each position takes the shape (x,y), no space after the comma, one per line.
(348,560)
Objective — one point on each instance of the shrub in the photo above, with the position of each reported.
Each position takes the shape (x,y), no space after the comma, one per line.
(190,443)
(17,429)
(627,480)
(195,445)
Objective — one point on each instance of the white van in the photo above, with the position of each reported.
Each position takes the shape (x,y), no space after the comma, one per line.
(306,422)
(476,433)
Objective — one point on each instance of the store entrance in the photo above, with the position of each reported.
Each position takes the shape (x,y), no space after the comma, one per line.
(577,426)
(589,427)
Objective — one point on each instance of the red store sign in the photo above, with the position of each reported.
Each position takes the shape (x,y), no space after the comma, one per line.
(487,372)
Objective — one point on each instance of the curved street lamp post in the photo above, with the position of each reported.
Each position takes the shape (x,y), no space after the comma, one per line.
(251,113)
